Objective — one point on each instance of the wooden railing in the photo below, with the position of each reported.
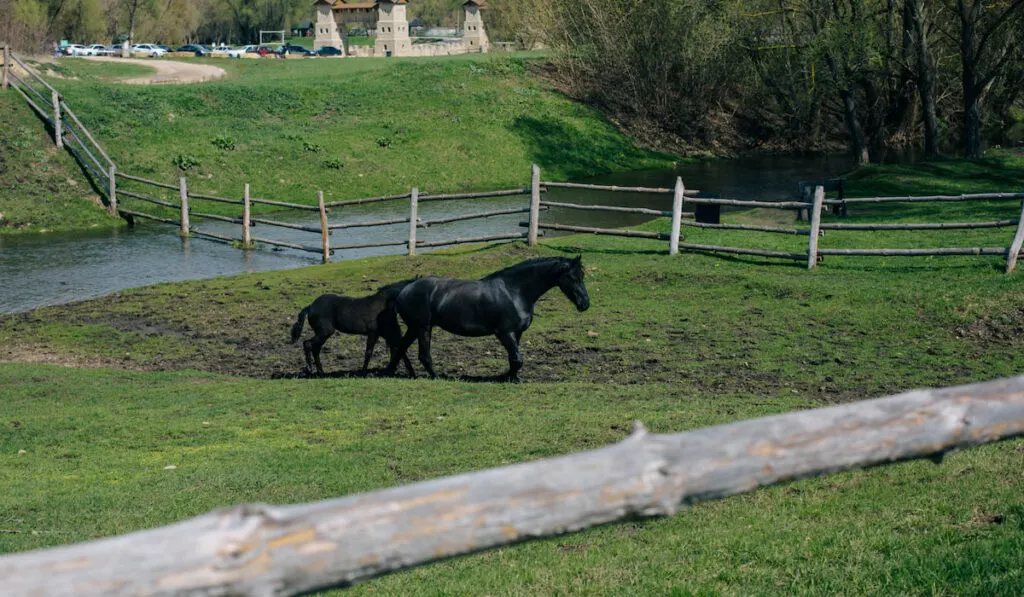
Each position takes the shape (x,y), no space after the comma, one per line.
(288,550)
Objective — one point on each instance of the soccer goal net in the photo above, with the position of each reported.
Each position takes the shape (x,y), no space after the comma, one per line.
(271,37)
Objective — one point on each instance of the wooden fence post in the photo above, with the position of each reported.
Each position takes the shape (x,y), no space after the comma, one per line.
(55,99)
(531,237)
(7,67)
(677,217)
(812,245)
(246,232)
(325,232)
(414,201)
(112,189)
(183,191)
(1015,246)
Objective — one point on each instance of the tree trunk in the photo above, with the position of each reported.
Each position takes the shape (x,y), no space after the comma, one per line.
(969,79)
(925,78)
(860,150)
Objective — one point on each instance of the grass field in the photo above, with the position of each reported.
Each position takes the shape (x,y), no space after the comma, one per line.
(199,375)
(99,397)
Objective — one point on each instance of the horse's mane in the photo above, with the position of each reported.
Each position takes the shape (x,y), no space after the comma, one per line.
(529,264)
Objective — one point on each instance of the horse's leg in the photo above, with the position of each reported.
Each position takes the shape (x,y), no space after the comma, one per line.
(316,343)
(510,340)
(371,341)
(425,358)
(307,349)
(398,352)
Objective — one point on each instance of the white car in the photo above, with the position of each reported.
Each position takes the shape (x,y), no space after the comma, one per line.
(77,50)
(99,50)
(237,52)
(151,50)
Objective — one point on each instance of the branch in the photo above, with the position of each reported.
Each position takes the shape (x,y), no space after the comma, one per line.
(264,550)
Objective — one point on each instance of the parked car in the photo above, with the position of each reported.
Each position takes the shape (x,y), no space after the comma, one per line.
(114,50)
(265,50)
(291,50)
(99,50)
(237,52)
(197,49)
(77,50)
(151,50)
(165,48)
(328,51)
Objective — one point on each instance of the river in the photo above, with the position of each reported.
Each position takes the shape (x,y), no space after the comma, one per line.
(55,268)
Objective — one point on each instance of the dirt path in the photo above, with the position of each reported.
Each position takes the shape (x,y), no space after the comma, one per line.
(167,71)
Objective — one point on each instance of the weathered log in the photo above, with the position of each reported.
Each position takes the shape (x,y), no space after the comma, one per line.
(795,231)
(247,218)
(325,231)
(532,227)
(219,217)
(604,231)
(472,216)
(218,199)
(480,195)
(139,214)
(629,210)
(598,187)
(915,252)
(286,204)
(367,200)
(227,239)
(265,550)
(285,225)
(279,243)
(929,198)
(812,242)
(148,181)
(392,243)
(742,251)
(42,113)
(1015,245)
(937,226)
(741,203)
(413,209)
(370,224)
(142,197)
(678,194)
(473,239)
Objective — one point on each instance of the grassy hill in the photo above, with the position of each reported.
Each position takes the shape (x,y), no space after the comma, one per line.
(353,128)
(41,188)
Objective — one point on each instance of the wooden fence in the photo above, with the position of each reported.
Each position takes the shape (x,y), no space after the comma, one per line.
(262,550)
(69,131)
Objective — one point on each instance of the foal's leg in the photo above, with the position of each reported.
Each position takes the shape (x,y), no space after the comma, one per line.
(314,345)
(371,341)
(510,341)
(398,351)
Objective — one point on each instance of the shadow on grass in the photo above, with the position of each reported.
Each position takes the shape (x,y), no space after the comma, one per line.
(380,373)
(574,153)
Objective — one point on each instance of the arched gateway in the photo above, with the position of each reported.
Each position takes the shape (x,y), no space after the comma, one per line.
(388,20)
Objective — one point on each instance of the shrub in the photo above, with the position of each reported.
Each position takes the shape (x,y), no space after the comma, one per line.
(185,162)
(224,143)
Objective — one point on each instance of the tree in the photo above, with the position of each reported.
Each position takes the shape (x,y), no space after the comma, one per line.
(984,54)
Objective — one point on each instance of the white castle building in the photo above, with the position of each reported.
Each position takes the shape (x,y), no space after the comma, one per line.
(388,20)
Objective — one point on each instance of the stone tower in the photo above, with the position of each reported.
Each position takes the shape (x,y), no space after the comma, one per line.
(392,29)
(327,30)
(474,36)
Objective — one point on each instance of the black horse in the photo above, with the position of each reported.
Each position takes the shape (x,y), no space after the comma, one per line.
(371,316)
(500,304)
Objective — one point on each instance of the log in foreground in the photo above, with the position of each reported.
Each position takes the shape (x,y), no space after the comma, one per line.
(269,550)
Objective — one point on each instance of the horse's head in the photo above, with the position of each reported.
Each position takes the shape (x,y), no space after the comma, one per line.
(571,284)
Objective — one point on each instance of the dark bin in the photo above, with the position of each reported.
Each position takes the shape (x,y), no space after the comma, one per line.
(708,214)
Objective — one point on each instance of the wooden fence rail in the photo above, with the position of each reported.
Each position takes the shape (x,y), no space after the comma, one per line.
(264,550)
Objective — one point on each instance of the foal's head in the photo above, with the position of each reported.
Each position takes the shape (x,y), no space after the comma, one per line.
(570,282)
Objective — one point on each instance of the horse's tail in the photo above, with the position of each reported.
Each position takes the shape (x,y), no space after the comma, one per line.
(297,328)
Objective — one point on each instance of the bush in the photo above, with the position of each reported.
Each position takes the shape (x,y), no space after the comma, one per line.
(334,164)
(185,162)
(224,143)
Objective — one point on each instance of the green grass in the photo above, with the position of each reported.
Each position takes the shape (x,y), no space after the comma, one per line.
(41,188)
(441,124)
